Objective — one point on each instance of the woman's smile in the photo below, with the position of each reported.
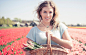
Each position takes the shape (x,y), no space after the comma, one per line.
(47,18)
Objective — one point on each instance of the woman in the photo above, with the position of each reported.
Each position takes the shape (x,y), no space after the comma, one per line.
(49,24)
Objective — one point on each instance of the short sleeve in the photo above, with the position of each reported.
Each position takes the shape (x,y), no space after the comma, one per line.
(31,34)
(63,27)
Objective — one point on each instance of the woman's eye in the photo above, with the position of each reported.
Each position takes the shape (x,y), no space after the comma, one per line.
(45,12)
(50,12)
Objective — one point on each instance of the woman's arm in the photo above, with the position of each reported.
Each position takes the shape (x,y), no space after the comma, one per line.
(66,41)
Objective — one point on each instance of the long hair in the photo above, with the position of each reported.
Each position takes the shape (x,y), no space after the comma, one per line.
(55,20)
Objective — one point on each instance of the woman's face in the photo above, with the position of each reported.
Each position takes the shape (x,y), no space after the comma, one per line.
(47,13)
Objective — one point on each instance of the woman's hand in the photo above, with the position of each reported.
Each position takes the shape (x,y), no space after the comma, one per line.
(28,44)
(49,33)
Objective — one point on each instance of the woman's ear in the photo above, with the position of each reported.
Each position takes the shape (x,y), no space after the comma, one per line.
(40,12)
(40,16)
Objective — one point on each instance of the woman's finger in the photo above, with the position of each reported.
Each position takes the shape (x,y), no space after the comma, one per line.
(26,45)
(30,42)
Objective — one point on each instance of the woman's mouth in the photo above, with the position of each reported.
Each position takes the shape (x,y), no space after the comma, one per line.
(47,18)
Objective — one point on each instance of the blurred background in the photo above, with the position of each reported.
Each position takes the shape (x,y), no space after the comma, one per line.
(17,17)
(20,13)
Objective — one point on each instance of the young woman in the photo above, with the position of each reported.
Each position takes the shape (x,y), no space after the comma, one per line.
(49,24)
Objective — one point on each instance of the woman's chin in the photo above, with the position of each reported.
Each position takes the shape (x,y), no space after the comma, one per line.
(46,21)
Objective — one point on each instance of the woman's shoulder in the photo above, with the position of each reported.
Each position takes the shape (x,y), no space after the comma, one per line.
(61,25)
(33,28)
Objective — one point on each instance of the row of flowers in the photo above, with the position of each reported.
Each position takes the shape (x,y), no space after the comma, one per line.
(15,48)
(78,48)
(8,35)
(78,34)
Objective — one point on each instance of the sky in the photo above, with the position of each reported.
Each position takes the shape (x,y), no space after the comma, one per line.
(71,11)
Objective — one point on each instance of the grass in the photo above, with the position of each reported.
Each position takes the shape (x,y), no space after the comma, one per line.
(4,27)
(12,27)
(7,27)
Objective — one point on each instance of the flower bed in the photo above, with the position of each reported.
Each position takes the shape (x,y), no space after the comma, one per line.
(8,35)
(11,41)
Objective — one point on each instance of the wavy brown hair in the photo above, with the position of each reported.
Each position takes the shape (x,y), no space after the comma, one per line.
(55,20)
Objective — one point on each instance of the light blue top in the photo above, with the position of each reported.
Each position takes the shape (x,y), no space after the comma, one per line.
(39,36)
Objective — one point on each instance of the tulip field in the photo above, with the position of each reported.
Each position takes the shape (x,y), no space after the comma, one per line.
(11,41)
(78,36)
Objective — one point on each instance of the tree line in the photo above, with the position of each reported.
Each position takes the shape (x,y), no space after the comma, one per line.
(6,21)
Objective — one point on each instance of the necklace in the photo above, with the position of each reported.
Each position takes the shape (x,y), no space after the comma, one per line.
(45,26)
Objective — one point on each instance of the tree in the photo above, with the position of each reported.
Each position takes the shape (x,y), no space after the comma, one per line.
(20,20)
(2,20)
(78,24)
(16,19)
(8,21)
(5,21)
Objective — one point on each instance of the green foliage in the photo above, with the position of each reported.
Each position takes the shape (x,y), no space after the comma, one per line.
(32,46)
(18,20)
(1,47)
(5,21)
(80,42)
(2,20)
(85,44)
(18,39)
(3,27)
(8,21)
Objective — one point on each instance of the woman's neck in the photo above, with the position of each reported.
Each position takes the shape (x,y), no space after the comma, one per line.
(45,24)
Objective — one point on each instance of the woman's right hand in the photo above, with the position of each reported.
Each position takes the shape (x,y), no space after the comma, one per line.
(28,43)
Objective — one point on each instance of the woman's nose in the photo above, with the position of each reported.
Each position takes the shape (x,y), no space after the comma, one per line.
(48,14)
